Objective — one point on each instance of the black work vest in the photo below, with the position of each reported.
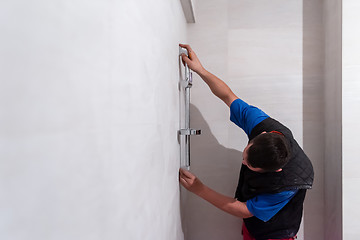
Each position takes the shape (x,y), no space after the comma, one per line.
(296,174)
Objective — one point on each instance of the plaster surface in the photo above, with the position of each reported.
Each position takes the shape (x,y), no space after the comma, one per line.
(89,117)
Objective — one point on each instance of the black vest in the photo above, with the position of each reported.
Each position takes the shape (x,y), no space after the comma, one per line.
(296,174)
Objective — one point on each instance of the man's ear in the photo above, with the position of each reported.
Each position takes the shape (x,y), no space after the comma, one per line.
(279,170)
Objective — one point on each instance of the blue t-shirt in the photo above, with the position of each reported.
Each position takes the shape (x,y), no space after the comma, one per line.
(263,206)
(245,115)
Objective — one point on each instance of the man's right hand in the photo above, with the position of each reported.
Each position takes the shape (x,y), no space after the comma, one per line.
(192,61)
(217,86)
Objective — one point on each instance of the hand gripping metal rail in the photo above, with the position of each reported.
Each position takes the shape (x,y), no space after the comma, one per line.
(187,131)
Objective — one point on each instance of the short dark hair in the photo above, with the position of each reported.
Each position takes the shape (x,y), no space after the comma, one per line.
(269,151)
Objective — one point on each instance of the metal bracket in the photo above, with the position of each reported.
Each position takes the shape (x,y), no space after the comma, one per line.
(189,132)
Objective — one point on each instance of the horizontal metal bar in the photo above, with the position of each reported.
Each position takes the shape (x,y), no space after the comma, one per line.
(189,131)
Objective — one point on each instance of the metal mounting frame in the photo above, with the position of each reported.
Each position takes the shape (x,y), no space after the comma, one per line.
(187,131)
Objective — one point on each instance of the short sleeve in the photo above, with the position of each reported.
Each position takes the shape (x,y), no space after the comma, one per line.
(246,116)
(265,206)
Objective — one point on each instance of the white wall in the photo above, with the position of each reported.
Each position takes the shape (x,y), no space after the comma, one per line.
(256,48)
(333,120)
(89,117)
(350,118)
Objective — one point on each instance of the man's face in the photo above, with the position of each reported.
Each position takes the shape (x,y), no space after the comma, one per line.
(245,162)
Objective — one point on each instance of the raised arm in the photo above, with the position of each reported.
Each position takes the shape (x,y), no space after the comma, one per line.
(217,86)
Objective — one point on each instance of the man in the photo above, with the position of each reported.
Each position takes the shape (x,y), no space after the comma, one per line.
(275,171)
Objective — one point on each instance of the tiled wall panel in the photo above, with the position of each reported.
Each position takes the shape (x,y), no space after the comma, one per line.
(256,48)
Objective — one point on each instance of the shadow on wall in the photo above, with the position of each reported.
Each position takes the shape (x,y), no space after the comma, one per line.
(217,167)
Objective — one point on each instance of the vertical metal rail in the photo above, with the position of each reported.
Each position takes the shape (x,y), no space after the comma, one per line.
(187,119)
(187,84)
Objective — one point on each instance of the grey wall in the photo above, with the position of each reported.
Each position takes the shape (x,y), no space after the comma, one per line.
(256,48)
(333,119)
(313,106)
(89,117)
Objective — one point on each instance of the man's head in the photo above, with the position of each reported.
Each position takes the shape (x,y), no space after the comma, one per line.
(267,152)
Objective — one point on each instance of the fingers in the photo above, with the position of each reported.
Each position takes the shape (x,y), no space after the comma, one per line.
(183,182)
(184,179)
(185,59)
(186,173)
(186,46)
(185,176)
(191,60)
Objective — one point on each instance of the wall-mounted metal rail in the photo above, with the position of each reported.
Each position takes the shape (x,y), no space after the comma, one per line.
(187,131)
